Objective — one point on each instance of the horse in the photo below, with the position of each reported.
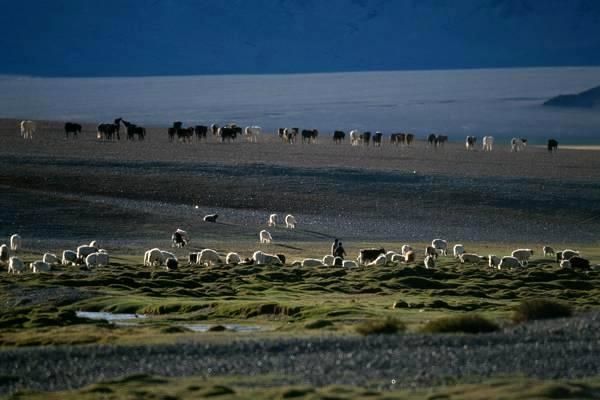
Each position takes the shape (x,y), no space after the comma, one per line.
(73,128)
(27,129)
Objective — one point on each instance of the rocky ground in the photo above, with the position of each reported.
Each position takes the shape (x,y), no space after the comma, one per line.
(565,348)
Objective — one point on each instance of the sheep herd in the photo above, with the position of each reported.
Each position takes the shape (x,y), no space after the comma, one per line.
(93,256)
(88,254)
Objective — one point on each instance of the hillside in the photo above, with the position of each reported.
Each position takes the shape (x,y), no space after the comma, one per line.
(586,99)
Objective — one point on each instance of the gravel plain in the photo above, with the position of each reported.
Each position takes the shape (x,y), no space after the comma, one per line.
(563,348)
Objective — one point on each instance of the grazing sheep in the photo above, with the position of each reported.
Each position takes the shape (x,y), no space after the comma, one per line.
(93,243)
(522,255)
(179,238)
(312,262)
(566,254)
(565,264)
(349,264)
(69,257)
(209,257)
(102,258)
(261,258)
(579,263)
(406,248)
(389,255)
(83,251)
(441,245)
(50,258)
(548,251)
(272,220)
(171,264)
(509,262)
(493,261)
(167,254)
(233,259)
(429,262)
(338,261)
(290,221)
(211,218)
(430,251)
(365,256)
(4,255)
(470,258)
(328,260)
(39,266)
(397,258)
(458,250)
(15,265)
(265,236)
(153,257)
(15,242)
(91,260)
(410,257)
(378,262)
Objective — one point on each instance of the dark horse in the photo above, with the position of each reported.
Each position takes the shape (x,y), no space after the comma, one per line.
(133,130)
(73,128)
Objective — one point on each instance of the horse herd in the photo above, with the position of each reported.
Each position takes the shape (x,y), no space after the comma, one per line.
(229,132)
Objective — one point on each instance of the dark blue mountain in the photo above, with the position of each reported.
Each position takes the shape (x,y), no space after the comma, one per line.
(587,99)
(164,37)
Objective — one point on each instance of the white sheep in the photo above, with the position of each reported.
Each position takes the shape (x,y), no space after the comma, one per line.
(153,257)
(209,257)
(378,262)
(406,248)
(93,243)
(338,261)
(15,242)
(509,262)
(50,258)
(522,255)
(389,255)
(69,257)
(548,251)
(98,259)
(470,258)
(397,258)
(329,260)
(233,258)
(265,236)
(349,264)
(39,266)
(84,250)
(431,251)
(568,254)
(457,250)
(272,220)
(290,221)
(441,245)
(409,257)
(15,265)
(429,262)
(312,262)
(493,261)
(167,254)
(4,254)
(261,258)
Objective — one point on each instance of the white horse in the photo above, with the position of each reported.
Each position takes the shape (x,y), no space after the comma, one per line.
(27,129)
(488,143)
(251,133)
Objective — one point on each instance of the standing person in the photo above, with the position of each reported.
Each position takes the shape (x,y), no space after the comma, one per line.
(334,246)
(339,251)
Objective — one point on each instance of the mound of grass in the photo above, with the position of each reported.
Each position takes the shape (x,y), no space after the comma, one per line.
(530,310)
(378,327)
(461,324)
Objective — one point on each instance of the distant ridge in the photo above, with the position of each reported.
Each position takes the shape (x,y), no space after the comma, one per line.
(587,99)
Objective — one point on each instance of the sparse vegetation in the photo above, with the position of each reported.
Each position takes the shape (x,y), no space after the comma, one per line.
(534,309)
(461,324)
